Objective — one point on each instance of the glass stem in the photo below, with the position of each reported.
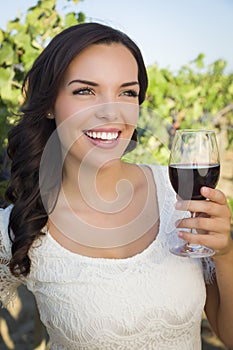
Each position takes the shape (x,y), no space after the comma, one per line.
(194,232)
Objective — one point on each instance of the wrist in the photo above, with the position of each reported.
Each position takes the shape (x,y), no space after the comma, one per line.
(224,254)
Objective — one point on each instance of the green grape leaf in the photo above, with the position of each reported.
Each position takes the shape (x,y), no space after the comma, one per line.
(7,54)
(6,75)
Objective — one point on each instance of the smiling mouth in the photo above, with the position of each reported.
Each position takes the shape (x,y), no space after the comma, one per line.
(103,135)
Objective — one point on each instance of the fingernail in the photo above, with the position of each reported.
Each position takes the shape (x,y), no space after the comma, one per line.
(178,205)
(206,189)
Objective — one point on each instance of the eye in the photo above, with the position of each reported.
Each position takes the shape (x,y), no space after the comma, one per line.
(130,93)
(83,91)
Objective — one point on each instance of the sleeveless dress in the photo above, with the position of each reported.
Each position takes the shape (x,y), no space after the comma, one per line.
(152,300)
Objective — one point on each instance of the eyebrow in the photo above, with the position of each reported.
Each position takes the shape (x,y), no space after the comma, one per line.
(130,83)
(92,83)
(83,82)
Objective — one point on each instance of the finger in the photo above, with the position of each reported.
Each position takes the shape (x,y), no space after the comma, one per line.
(217,225)
(219,243)
(205,206)
(214,195)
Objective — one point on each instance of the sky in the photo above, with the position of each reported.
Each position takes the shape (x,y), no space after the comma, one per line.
(170,33)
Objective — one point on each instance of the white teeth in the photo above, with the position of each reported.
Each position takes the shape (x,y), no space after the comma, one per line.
(102,135)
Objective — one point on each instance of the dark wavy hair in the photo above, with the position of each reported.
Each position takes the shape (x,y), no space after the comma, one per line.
(28,138)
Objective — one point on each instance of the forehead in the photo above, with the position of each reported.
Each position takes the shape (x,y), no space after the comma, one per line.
(102,60)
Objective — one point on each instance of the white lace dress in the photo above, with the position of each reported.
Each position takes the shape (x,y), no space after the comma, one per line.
(153,300)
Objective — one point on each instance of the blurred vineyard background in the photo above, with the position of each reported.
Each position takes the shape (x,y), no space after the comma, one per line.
(195,96)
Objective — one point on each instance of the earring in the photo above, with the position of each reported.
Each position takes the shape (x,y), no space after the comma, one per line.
(50,115)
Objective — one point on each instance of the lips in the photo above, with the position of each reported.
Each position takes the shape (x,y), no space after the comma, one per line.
(102,135)
(103,138)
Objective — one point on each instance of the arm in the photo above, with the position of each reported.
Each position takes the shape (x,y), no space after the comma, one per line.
(219,303)
(213,225)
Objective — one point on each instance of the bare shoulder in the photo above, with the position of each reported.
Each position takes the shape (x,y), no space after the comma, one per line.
(140,175)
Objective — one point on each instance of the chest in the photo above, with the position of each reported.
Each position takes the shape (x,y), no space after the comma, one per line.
(119,228)
(107,235)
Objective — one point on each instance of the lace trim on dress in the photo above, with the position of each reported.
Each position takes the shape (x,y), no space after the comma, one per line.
(8,282)
(157,335)
(208,270)
(151,332)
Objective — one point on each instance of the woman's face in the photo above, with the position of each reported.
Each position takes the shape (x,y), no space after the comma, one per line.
(96,109)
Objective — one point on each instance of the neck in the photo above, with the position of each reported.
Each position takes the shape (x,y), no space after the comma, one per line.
(98,187)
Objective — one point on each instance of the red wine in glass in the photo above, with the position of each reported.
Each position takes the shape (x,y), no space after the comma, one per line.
(194,163)
(182,175)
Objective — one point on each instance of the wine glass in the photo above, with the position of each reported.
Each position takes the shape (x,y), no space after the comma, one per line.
(194,162)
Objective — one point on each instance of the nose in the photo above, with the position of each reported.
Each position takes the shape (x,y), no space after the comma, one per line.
(108,111)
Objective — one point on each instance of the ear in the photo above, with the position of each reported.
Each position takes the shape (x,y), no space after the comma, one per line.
(50,115)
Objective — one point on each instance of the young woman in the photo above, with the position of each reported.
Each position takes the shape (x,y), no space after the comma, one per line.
(88,233)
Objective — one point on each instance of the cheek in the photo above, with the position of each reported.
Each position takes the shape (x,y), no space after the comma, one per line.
(70,125)
(67,128)
(131,115)
(63,110)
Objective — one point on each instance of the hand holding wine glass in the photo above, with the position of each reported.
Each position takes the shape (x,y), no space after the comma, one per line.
(194,163)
